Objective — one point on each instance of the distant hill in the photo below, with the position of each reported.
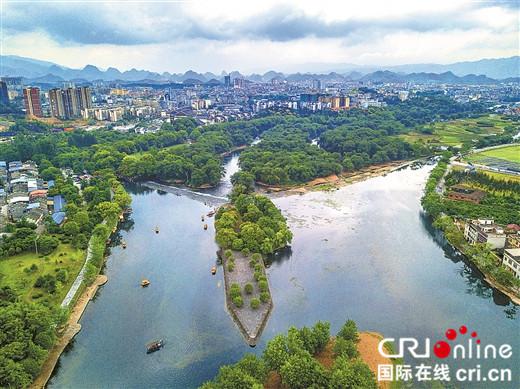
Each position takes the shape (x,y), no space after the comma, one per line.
(476,72)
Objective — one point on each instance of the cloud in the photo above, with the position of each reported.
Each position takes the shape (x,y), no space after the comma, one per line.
(282,34)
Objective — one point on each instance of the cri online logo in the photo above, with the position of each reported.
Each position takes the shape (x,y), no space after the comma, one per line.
(443,349)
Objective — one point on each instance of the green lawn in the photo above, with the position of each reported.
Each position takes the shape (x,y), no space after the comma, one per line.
(14,274)
(459,132)
(507,153)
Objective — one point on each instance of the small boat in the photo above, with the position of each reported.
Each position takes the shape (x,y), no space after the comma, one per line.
(202,218)
(157,229)
(154,346)
(214,270)
(145,283)
(211,213)
(123,244)
(205,226)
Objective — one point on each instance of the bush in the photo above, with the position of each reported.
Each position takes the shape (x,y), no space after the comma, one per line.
(256,256)
(228,253)
(345,348)
(252,263)
(234,290)
(246,251)
(257,276)
(62,275)
(231,266)
(262,285)
(255,303)
(248,288)
(237,300)
(258,267)
(264,297)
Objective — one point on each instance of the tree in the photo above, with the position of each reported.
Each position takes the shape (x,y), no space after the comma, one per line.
(302,371)
(71,228)
(351,375)
(349,331)
(47,244)
(345,348)
(233,377)
(253,366)
(276,352)
(255,303)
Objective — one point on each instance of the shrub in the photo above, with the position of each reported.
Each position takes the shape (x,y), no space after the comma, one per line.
(255,303)
(264,297)
(257,276)
(262,278)
(252,263)
(237,300)
(262,285)
(248,288)
(256,256)
(246,251)
(228,253)
(62,275)
(258,267)
(234,290)
(231,266)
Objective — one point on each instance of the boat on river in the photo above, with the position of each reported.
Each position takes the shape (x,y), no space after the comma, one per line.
(205,226)
(156,229)
(123,244)
(145,283)
(154,346)
(214,270)
(210,213)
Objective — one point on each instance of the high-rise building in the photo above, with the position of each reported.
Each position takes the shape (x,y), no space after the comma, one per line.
(33,105)
(316,84)
(227,81)
(4,94)
(69,103)
(57,104)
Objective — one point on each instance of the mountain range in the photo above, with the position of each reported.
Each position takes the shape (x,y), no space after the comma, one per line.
(475,72)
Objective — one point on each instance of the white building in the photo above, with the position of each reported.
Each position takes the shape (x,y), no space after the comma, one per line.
(512,261)
(485,231)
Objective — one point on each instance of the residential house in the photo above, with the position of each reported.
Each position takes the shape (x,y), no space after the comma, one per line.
(485,231)
(512,261)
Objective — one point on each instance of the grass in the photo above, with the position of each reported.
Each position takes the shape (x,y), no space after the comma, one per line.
(460,132)
(13,273)
(507,153)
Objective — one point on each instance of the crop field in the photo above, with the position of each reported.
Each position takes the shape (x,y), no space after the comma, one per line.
(507,157)
(460,132)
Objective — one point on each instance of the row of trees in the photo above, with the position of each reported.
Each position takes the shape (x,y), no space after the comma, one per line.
(292,357)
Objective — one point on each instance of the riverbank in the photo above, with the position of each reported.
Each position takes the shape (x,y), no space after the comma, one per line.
(334,182)
(72,327)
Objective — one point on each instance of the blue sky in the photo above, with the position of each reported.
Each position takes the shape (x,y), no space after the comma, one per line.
(163,35)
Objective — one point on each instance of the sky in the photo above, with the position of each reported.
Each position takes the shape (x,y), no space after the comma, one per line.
(257,36)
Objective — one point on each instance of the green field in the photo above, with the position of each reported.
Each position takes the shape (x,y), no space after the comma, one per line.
(14,272)
(459,132)
(507,153)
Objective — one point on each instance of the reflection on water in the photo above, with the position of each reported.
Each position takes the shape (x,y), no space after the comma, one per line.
(364,252)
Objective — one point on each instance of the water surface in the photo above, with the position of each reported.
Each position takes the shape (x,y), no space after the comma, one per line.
(364,252)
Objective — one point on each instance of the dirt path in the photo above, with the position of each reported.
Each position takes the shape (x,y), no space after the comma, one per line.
(72,328)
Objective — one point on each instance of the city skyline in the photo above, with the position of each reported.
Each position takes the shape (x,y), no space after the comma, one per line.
(286,36)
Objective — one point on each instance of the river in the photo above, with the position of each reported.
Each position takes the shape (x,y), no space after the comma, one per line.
(364,252)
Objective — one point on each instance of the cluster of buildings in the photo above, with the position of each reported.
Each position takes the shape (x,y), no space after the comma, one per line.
(24,195)
(69,103)
(504,239)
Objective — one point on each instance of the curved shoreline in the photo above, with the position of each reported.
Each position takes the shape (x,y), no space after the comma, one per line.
(71,329)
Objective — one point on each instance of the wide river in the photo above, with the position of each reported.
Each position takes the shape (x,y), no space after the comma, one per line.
(364,252)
